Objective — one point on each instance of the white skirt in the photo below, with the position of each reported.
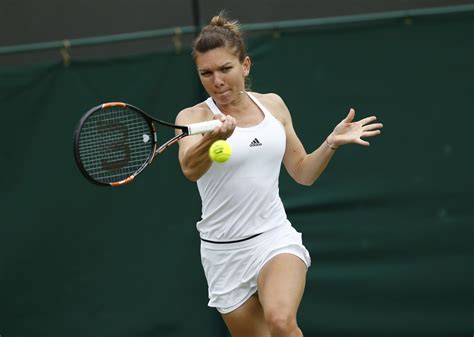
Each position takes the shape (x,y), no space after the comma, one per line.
(232,269)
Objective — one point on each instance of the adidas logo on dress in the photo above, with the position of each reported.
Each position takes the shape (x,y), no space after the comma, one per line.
(255,142)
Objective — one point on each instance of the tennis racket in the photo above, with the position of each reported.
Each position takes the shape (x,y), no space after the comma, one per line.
(114,142)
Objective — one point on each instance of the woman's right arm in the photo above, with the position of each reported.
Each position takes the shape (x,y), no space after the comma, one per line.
(193,150)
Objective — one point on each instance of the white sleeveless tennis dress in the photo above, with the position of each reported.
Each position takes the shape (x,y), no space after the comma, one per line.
(244,223)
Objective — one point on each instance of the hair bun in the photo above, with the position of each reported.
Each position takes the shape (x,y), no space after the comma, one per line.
(221,21)
(221,32)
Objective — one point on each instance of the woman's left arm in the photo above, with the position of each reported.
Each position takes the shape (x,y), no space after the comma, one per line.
(306,168)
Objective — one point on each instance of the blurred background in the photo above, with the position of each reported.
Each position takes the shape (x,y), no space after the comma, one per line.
(389,227)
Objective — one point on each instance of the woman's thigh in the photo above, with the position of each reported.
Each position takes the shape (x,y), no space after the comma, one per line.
(281,284)
(247,320)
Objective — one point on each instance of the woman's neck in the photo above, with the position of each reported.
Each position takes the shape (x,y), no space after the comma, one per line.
(236,107)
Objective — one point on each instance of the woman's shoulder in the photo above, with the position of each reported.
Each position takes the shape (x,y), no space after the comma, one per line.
(271,98)
(275,104)
(194,114)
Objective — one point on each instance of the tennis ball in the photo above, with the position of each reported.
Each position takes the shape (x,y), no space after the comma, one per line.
(220,151)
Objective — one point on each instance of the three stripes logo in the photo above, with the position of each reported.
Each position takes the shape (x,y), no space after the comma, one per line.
(255,142)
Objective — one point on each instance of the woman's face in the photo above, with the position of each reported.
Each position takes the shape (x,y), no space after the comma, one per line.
(222,74)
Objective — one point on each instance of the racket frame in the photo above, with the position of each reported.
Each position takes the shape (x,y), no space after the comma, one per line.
(151,123)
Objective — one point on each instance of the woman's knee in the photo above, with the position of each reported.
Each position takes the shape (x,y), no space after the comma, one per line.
(281,323)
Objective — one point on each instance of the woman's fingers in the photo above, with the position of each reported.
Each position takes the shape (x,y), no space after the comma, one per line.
(367,120)
(350,116)
(227,128)
(370,133)
(362,142)
(373,126)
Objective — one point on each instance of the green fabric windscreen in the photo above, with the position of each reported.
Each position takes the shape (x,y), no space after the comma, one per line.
(389,227)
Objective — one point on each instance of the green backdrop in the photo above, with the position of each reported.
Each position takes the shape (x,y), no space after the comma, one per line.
(389,227)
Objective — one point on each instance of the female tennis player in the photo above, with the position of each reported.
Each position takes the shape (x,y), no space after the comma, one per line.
(254,260)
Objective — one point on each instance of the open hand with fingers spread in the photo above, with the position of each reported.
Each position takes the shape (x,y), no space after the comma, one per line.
(349,132)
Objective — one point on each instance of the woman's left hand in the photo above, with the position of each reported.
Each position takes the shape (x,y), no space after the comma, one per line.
(347,131)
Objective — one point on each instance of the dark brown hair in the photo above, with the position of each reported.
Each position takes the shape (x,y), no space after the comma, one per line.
(221,32)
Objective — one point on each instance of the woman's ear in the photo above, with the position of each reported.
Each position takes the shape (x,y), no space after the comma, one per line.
(247,65)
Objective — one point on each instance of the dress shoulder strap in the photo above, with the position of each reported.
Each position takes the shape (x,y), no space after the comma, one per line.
(259,104)
(216,111)
(210,103)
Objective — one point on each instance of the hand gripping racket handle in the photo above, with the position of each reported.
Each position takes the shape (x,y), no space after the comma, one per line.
(203,127)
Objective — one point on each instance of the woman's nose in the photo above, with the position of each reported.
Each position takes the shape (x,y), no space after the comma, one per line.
(218,82)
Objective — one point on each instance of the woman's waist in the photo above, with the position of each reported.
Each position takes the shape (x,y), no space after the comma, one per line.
(224,228)
(222,242)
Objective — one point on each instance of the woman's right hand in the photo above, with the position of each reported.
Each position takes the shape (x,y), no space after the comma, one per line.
(194,150)
(226,129)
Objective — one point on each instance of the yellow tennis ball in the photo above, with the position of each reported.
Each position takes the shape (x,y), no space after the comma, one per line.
(220,151)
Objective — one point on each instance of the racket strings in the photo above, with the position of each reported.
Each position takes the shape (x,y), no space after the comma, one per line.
(115,143)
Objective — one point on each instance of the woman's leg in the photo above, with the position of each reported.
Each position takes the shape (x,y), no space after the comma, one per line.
(273,312)
(281,285)
(247,320)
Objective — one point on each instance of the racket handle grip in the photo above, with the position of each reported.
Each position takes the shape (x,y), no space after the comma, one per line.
(203,127)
